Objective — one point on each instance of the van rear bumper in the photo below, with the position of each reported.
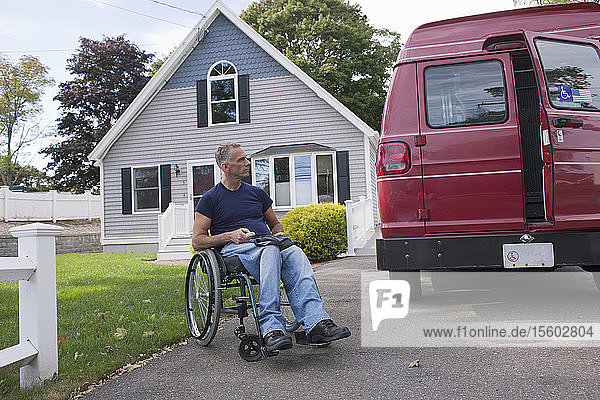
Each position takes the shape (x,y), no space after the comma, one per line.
(482,251)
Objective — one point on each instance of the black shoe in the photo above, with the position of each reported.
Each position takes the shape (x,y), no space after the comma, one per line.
(276,340)
(327,331)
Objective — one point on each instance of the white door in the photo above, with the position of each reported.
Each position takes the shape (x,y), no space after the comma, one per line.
(202,175)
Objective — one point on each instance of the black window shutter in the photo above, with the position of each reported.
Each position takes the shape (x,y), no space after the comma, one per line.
(126,190)
(165,186)
(248,179)
(201,99)
(244,98)
(343,172)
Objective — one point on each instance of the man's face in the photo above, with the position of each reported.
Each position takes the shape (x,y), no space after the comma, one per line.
(238,164)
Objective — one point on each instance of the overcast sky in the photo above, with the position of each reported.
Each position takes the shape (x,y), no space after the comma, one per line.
(50,29)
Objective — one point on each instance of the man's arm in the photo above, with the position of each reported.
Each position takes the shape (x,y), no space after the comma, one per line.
(273,222)
(201,240)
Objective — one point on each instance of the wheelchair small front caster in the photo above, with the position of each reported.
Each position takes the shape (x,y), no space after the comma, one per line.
(249,348)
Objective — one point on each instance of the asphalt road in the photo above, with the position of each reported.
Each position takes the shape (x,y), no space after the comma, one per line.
(345,370)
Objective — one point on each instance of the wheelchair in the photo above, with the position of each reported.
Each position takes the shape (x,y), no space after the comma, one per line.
(209,274)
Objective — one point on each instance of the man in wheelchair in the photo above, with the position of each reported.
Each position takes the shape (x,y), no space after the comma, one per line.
(235,211)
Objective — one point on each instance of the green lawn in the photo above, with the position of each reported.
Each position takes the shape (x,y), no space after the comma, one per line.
(113,309)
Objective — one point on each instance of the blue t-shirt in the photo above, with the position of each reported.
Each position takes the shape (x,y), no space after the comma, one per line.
(230,210)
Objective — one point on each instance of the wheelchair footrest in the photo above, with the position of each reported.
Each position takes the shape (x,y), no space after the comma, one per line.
(302,340)
(272,353)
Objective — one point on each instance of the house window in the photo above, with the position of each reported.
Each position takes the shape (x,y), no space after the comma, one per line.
(146,189)
(261,173)
(297,179)
(222,93)
(282,181)
(303,180)
(325,188)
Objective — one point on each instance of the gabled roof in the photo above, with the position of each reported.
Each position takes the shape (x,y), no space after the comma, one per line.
(181,53)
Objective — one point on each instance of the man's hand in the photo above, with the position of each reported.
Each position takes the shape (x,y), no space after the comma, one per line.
(239,236)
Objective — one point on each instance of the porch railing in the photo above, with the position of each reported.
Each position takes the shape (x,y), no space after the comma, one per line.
(359,220)
(173,223)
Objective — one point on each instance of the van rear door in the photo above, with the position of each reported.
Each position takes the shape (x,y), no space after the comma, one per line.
(568,70)
(471,158)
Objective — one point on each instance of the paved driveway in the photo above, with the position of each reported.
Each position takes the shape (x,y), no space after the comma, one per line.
(346,371)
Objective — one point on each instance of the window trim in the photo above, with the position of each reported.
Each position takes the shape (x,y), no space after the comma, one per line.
(209,80)
(133,203)
(313,177)
(554,106)
(506,103)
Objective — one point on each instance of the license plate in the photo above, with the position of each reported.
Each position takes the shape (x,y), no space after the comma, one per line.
(528,255)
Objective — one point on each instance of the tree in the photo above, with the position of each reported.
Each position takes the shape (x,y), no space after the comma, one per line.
(332,41)
(108,76)
(155,66)
(32,179)
(22,85)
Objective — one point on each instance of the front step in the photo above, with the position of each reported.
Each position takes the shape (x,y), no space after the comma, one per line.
(167,255)
(177,249)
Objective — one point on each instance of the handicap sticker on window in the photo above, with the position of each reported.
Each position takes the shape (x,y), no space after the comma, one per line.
(565,93)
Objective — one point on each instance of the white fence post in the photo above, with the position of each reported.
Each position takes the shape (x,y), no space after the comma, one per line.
(5,192)
(349,228)
(88,195)
(53,195)
(37,301)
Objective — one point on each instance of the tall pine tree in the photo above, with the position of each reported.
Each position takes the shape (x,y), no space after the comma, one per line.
(108,76)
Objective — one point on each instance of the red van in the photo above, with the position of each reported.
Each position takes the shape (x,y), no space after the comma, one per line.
(488,155)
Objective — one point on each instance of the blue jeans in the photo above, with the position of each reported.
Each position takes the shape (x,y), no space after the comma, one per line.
(292,267)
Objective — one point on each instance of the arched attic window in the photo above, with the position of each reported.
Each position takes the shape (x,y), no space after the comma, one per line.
(222,93)
(224,97)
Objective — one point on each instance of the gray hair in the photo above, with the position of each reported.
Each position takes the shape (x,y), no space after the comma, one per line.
(223,153)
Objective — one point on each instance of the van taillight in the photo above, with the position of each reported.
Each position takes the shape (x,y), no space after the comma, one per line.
(392,158)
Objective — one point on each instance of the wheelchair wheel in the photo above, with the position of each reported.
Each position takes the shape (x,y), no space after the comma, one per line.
(291,324)
(202,297)
(249,348)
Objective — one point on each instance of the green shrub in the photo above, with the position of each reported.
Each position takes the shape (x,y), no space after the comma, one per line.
(321,227)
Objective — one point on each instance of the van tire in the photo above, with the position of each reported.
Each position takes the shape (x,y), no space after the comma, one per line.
(414,280)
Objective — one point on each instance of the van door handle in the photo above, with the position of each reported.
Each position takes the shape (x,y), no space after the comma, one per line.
(567,122)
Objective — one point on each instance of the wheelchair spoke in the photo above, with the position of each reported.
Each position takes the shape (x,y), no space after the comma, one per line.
(201,300)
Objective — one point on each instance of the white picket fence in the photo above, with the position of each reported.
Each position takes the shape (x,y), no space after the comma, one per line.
(359,222)
(35,269)
(48,206)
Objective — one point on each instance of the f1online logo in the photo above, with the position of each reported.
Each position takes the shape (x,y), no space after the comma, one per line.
(389,299)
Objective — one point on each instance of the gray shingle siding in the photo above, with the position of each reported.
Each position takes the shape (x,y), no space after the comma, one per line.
(225,41)
(283,111)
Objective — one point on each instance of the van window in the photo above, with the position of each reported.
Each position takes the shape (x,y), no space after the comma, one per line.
(465,94)
(572,74)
